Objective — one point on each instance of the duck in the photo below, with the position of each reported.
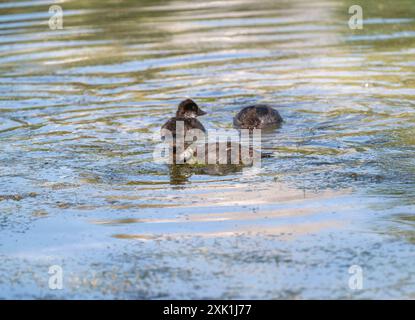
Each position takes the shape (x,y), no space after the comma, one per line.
(257,117)
(187,112)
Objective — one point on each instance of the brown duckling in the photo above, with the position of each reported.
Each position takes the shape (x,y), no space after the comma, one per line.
(187,112)
(257,117)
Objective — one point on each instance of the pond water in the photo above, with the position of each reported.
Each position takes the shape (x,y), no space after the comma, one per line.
(79,108)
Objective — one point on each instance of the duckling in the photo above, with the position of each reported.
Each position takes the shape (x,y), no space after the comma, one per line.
(187,112)
(257,117)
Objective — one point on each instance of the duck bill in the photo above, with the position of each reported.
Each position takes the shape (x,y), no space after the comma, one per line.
(200,112)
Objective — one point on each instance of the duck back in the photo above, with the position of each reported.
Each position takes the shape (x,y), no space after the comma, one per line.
(257,117)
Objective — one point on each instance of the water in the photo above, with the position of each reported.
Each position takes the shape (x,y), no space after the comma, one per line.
(79,108)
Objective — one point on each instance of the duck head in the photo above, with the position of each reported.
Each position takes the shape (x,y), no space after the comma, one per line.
(250,120)
(189,109)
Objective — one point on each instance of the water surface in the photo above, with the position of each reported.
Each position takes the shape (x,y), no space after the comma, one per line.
(79,108)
